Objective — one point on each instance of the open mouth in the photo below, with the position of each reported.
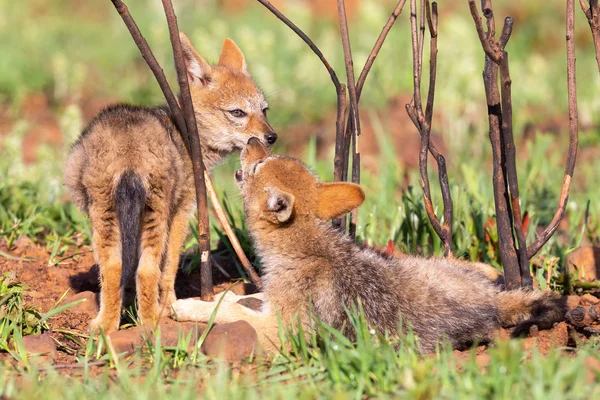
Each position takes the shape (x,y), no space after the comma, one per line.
(239,175)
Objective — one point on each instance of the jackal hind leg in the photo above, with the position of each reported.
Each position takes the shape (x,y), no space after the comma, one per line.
(153,243)
(106,244)
(177,234)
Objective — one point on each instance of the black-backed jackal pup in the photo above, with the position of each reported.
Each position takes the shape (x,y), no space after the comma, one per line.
(305,259)
(130,172)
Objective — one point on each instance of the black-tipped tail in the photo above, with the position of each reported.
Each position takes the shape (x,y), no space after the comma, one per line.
(523,309)
(130,200)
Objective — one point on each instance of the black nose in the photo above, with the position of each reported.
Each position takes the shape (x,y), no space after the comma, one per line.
(271,137)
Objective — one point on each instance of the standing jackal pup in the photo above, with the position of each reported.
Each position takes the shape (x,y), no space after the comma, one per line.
(130,172)
(305,259)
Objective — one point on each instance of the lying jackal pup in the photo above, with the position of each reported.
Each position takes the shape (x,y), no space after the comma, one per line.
(130,172)
(305,259)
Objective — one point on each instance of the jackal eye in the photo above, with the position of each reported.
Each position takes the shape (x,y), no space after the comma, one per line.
(264,111)
(237,113)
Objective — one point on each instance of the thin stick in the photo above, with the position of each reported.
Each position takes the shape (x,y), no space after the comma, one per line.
(341,165)
(340,161)
(206,283)
(592,13)
(494,56)
(204,240)
(354,119)
(378,43)
(423,123)
(509,152)
(152,63)
(235,243)
(573,137)
(485,40)
(341,155)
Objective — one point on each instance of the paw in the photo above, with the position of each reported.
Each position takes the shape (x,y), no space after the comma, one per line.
(184,310)
(101,324)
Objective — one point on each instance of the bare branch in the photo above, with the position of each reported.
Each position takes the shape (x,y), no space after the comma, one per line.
(511,167)
(306,39)
(488,13)
(485,41)
(342,148)
(506,32)
(206,283)
(592,13)
(432,23)
(152,63)
(182,126)
(378,43)
(354,119)
(423,124)
(573,136)
(500,131)
(235,243)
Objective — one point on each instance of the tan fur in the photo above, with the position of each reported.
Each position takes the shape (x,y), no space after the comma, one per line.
(306,261)
(139,152)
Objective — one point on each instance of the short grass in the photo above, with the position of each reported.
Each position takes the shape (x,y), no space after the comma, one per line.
(311,368)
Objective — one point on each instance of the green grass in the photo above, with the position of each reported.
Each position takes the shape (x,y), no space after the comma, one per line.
(330,367)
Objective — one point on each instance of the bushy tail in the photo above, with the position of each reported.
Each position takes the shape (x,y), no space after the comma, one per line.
(527,308)
(130,200)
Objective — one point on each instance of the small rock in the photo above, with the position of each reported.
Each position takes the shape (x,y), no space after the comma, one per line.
(89,306)
(252,303)
(589,299)
(25,247)
(127,340)
(232,342)
(41,346)
(572,301)
(584,263)
(170,334)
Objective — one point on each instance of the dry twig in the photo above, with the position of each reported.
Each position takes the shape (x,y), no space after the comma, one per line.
(592,13)
(506,186)
(206,281)
(354,119)
(235,243)
(500,140)
(422,120)
(573,136)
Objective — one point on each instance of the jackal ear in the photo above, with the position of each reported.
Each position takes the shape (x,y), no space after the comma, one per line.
(280,203)
(232,57)
(337,199)
(198,70)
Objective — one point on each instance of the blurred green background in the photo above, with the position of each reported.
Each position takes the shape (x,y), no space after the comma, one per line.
(62,62)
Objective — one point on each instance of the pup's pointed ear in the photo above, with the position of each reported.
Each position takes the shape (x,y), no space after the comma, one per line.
(198,70)
(337,199)
(232,57)
(280,203)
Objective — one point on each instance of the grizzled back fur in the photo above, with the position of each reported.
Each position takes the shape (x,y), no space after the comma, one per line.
(304,258)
